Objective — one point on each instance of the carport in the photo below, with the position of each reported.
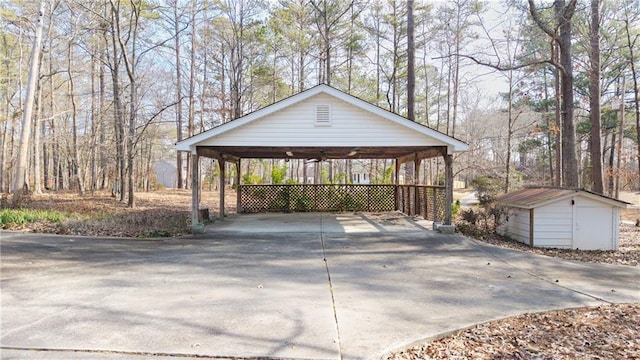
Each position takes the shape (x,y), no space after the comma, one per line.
(325,123)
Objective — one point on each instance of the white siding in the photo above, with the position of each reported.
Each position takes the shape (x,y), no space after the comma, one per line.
(553,225)
(517,225)
(295,126)
(580,221)
(596,225)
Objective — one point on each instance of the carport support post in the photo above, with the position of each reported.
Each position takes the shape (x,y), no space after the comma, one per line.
(222,181)
(448,162)
(396,181)
(238,202)
(195,195)
(416,181)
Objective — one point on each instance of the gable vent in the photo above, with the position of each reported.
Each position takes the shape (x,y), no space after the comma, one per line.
(323,115)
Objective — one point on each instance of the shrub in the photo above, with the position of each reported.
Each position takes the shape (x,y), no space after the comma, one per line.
(485,220)
(278,174)
(251,179)
(487,188)
(12,218)
(455,208)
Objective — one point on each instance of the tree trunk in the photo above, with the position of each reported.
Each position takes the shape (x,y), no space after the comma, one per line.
(37,168)
(21,166)
(411,71)
(594,99)
(75,161)
(558,126)
(636,87)
(561,35)
(192,81)
(569,157)
(509,131)
(178,95)
(620,139)
(119,184)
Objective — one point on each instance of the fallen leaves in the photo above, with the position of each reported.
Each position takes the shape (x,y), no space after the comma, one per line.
(157,214)
(628,252)
(603,332)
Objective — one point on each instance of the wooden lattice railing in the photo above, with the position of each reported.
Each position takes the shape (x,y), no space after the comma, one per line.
(306,198)
(423,200)
(427,201)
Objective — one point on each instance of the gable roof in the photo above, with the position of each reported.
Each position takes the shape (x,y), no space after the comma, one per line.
(533,197)
(453,145)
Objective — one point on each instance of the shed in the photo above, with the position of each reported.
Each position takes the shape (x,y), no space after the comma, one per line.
(562,218)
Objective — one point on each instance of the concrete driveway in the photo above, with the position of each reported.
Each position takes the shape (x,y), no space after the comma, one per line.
(297,286)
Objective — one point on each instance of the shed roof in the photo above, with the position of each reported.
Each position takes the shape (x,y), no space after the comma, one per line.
(235,138)
(533,197)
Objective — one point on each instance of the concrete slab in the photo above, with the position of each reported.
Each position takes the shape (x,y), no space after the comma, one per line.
(394,290)
(344,223)
(226,296)
(258,286)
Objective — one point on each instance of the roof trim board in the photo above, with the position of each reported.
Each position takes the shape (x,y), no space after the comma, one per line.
(530,198)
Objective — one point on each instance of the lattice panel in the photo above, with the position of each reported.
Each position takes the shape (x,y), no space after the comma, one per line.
(322,198)
(426,201)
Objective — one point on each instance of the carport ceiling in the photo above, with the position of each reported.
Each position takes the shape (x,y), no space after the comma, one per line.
(406,153)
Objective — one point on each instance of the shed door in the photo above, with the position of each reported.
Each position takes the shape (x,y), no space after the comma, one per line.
(593,228)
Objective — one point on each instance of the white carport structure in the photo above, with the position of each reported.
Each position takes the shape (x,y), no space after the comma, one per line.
(321,123)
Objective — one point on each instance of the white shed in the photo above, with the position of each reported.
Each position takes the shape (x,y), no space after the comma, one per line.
(562,218)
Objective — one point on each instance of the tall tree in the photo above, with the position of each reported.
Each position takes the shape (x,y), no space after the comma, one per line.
(594,99)
(177,30)
(329,15)
(411,58)
(21,166)
(631,44)
(560,33)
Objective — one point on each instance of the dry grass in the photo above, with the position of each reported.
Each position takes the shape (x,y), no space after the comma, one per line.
(156,214)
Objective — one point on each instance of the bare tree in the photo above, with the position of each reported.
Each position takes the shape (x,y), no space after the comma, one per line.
(328,20)
(177,31)
(21,166)
(411,69)
(631,45)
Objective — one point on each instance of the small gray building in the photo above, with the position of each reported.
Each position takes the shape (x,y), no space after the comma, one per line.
(562,218)
(166,173)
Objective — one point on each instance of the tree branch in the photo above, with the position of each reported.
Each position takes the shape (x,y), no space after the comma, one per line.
(535,15)
(152,117)
(502,68)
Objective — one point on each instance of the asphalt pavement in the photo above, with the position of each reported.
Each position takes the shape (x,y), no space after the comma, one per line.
(281,286)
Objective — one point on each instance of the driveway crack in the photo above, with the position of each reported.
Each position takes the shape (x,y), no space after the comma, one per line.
(333,299)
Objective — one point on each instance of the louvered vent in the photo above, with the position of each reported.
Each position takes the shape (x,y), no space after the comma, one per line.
(323,115)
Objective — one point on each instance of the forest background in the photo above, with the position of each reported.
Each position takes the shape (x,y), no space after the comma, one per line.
(544,92)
